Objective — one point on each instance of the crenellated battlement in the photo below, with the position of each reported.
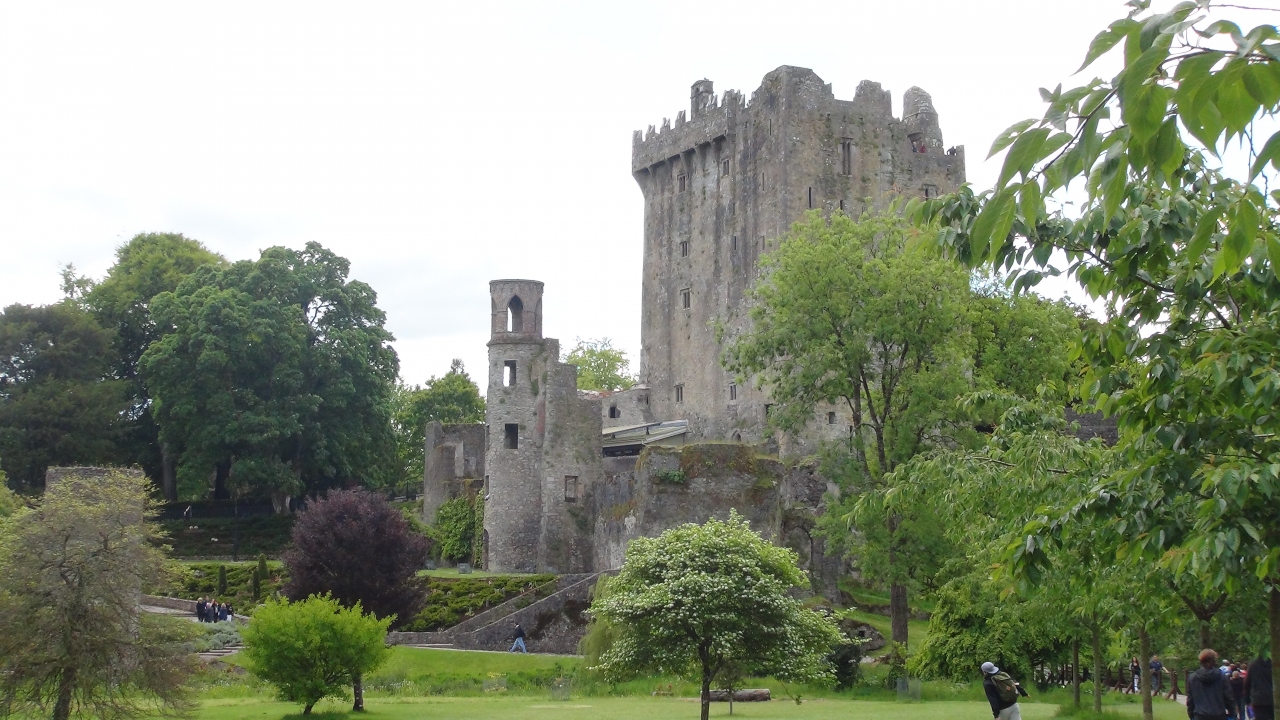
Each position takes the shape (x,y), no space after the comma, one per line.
(708,121)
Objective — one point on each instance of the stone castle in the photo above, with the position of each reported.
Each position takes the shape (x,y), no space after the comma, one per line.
(569,477)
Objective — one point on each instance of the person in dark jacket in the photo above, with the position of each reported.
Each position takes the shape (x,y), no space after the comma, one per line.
(1257,689)
(1208,692)
(1000,709)
(1237,693)
(519,641)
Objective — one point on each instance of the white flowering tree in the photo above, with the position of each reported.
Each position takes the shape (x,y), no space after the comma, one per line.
(702,598)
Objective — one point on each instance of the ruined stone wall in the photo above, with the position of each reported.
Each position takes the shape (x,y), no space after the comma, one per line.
(722,186)
(642,497)
(571,462)
(626,407)
(453,464)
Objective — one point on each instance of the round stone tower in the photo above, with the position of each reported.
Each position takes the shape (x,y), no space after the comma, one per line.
(516,417)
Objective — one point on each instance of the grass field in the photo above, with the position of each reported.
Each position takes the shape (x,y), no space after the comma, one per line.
(420,683)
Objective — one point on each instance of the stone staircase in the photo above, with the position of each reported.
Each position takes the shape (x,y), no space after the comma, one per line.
(551,615)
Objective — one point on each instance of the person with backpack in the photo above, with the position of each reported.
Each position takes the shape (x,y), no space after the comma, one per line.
(1257,689)
(1208,691)
(1002,692)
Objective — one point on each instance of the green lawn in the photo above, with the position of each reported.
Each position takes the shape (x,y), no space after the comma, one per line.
(421,683)
(917,630)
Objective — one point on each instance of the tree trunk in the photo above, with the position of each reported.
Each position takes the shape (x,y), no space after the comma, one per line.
(899,613)
(306,710)
(706,692)
(221,472)
(1206,640)
(1274,613)
(168,474)
(66,688)
(1096,642)
(1075,671)
(1144,654)
(357,691)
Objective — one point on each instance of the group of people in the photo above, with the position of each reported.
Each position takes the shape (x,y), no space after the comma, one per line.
(211,611)
(1215,691)
(1227,690)
(1157,675)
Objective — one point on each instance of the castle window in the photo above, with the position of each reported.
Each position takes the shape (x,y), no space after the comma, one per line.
(684,248)
(571,488)
(733,244)
(733,209)
(733,391)
(831,418)
(724,168)
(614,412)
(515,315)
(930,191)
(810,198)
(511,441)
(508,373)
(841,206)
(681,182)
(846,157)
(686,298)
(680,393)
(768,410)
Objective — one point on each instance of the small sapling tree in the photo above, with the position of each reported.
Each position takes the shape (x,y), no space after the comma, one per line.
(357,548)
(313,649)
(706,598)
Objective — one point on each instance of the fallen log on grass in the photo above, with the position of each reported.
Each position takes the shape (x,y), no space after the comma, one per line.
(757,695)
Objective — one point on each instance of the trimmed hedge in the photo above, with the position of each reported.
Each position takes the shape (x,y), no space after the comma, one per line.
(201,580)
(450,601)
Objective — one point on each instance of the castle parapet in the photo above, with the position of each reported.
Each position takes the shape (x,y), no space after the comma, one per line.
(706,122)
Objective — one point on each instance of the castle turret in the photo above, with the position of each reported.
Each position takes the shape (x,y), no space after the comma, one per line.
(515,413)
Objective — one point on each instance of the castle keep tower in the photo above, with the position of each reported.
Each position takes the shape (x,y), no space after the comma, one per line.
(543,444)
(721,187)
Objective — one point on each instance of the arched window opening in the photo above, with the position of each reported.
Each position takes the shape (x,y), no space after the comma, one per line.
(515,315)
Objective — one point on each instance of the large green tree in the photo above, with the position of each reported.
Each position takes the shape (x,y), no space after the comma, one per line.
(450,398)
(58,402)
(601,366)
(147,265)
(73,640)
(276,375)
(1179,237)
(707,598)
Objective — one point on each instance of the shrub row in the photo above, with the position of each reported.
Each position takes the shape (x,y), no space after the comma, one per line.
(450,601)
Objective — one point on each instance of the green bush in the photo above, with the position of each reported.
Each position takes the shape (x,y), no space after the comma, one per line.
(313,649)
(452,600)
(198,580)
(454,529)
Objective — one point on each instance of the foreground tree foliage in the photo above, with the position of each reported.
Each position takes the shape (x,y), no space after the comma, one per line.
(313,649)
(354,547)
(58,401)
(1179,237)
(701,599)
(274,375)
(73,640)
(601,366)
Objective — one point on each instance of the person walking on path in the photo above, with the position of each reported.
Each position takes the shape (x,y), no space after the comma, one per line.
(1257,689)
(1002,692)
(1237,693)
(200,610)
(1157,674)
(1135,669)
(519,641)
(1208,691)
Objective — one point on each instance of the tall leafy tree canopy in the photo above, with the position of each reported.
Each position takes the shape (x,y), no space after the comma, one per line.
(450,398)
(147,265)
(601,366)
(276,374)
(58,401)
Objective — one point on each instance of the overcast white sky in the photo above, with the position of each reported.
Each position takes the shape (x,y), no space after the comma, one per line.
(441,145)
